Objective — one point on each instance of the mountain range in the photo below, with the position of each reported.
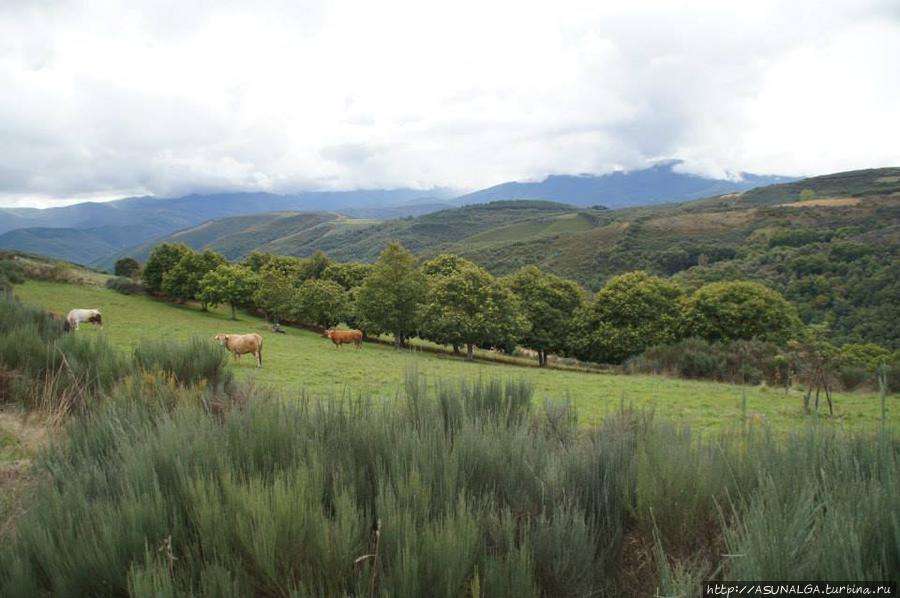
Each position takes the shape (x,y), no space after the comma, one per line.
(574,241)
(92,232)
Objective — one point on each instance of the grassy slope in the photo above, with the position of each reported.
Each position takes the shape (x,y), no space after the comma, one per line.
(302,359)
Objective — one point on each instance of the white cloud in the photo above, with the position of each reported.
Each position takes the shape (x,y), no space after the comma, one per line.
(107,99)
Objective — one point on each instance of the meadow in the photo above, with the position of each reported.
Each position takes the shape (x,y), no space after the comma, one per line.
(302,360)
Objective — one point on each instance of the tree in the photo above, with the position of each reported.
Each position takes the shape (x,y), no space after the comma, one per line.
(389,299)
(275,294)
(631,312)
(348,274)
(229,284)
(182,281)
(314,266)
(548,304)
(725,311)
(320,302)
(127,266)
(464,305)
(162,259)
(445,264)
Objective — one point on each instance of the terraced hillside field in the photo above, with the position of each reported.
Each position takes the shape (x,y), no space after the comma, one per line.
(304,360)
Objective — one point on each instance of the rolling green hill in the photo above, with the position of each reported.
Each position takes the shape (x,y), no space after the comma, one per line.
(830,244)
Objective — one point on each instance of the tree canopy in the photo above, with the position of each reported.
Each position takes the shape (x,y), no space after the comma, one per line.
(548,304)
(182,281)
(631,312)
(464,305)
(723,311)
(389,299)
(127,266)
(321,303)
(163,258)
(228,283)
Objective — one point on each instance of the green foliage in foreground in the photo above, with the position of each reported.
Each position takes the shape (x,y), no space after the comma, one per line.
(468,488)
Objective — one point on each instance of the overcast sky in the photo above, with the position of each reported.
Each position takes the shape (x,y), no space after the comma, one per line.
(108,99)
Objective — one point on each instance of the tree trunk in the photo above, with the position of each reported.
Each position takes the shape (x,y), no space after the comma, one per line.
(455,349)
(398,341)
(470,352)
(542,358)
(233,312)
(204,306)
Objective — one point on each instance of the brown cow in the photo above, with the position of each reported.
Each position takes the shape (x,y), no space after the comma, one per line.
(339,337)
(239,344)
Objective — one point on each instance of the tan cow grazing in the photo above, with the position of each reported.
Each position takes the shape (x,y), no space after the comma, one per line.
(239,344)
(339,337)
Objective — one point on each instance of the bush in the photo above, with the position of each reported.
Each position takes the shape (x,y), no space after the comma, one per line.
(198,360)
(742,362)
(851,376)
(49,369)
(475,493)
(126,286)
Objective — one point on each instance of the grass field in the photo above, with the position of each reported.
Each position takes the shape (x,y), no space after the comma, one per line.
(304,360)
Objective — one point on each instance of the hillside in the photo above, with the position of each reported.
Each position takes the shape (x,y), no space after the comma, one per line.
(87,232)
(103,229)
(300,234)
(830,244)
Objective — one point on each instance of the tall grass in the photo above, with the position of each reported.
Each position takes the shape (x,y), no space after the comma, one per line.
(458,488)
(44,368)
(189,363)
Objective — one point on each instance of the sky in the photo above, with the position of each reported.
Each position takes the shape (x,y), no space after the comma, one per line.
(106,99)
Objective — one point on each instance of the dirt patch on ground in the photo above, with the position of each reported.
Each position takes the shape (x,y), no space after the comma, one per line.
(706,222)
(824,202)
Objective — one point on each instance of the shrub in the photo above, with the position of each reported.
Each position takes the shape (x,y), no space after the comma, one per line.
(441,497)
(51,370)
(851,376)
(197,360)
(744,362)
(127,267)
(126,286)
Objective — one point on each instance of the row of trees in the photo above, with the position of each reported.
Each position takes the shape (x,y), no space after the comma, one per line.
(452,301)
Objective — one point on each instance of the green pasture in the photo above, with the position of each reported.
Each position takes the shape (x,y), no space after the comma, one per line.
(303,360)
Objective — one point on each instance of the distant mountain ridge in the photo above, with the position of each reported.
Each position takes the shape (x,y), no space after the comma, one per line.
(574,241)
(660,183)
(90,231)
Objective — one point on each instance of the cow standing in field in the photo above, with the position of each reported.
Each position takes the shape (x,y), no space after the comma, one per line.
(77,316)
(339,337)
(238,344)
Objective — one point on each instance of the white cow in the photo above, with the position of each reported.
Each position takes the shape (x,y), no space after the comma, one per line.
(77,316)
